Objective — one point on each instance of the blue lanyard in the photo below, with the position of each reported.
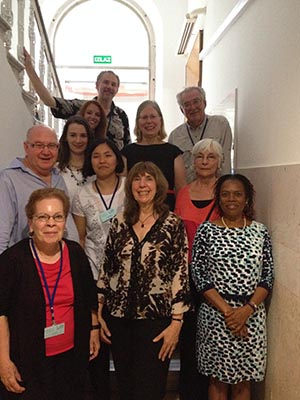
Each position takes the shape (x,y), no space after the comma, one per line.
(50,298)
(112,197)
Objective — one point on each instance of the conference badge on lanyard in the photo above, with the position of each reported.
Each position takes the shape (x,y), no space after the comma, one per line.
(107,215)
(54,330)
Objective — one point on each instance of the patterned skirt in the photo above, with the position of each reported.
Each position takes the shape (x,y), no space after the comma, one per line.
(229,358)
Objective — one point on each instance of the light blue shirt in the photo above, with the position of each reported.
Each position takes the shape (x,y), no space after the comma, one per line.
(17,182)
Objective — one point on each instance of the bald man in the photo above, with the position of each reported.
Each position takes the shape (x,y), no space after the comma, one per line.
(24,175)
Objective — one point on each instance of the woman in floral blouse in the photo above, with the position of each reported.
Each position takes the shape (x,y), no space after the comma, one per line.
(144,283)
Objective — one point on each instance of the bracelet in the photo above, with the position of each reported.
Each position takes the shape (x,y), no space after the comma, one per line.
(94,327)
(252,305)
(178,320)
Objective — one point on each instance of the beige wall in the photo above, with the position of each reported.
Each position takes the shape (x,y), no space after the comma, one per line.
(277,192)
(260,56)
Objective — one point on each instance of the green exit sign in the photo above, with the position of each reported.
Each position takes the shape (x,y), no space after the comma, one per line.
(102,60)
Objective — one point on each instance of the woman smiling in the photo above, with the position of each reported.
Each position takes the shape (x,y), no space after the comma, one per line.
(150,132)
(73,146)
(48,308)
(144,284)
(232,267)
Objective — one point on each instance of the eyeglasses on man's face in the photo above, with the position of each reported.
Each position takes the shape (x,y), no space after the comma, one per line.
(195,102)
(41,146)
(46,217)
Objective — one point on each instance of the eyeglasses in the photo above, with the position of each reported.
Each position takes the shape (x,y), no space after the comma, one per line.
(41,146)
(46,217)
(194,102)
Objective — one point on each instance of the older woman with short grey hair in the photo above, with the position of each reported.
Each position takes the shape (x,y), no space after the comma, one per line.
(195,204)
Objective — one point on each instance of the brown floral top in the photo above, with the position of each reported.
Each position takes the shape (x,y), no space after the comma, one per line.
(147,279)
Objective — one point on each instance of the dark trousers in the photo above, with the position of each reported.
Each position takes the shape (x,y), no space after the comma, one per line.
(99,374)
(192,384)
(140,374)
(60,378)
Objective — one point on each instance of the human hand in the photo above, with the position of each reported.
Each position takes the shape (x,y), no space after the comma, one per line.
(243,332)
(170,337)
(27,59)
(104,331)
(11,377)
(94,343)
(236,320)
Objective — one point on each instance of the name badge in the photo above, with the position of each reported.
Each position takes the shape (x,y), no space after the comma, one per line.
(54,330)
(107,215)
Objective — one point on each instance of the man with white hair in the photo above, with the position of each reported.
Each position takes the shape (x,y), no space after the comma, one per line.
(198,125)
(23,176)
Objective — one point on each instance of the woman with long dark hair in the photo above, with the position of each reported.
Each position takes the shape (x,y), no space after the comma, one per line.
(143,282)
(73,147)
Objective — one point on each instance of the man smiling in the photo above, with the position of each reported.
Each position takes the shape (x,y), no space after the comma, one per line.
(23,176)
(107,85)
(198,125)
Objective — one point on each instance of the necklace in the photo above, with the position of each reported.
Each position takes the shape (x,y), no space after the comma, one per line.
(79,182)
(228,227)
(77,167)
(143,222)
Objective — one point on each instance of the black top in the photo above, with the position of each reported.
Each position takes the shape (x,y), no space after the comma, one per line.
(201,203)
(22,301)
(162,155)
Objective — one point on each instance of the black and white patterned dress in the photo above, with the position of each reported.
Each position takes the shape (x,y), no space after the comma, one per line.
(235,262)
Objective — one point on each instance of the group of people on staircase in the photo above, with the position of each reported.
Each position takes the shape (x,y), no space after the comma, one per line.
(130,248)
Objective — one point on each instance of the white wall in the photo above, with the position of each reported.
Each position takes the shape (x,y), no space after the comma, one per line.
(15,118)
(260,55)
(172,15)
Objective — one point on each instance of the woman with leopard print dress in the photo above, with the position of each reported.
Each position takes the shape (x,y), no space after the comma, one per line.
(232,267)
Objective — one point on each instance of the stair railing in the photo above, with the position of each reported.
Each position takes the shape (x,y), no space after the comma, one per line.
(22,24)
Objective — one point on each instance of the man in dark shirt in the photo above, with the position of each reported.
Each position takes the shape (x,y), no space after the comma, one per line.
(107,85)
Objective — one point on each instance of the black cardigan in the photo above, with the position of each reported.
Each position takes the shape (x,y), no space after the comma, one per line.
(22,301)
